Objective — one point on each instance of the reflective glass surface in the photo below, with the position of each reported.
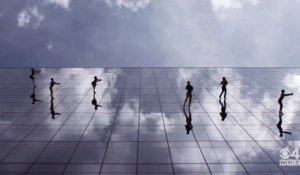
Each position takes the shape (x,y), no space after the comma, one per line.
(129,121)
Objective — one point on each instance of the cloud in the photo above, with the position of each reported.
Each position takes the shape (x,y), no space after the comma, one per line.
(30,17)
(231,4)
(23,18)
(226,4)
(133,5)
(164,33)
(49,46)
(62,3)
(223,7)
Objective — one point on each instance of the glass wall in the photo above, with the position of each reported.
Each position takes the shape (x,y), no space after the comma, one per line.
(132,121)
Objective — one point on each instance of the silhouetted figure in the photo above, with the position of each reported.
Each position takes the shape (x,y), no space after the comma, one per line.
(33,73)
(188,120)
(282,95)
(223,83)
(281,132)
(94,102)
(189,95)
(94,83)
(32,96)
(52,83)
(223,112)
(53,113)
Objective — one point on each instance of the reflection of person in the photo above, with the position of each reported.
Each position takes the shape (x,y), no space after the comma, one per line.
(94,83)
(188,120)
(53,113)
(94,102)
(32,96)
(33,72)
(224,83)
(52,83)
(281,132)
(189,95)
(282,95)
(223,112)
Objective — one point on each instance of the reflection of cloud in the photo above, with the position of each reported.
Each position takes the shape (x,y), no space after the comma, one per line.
(62,3)
(292,80)
(30,17)
(186,74)
(133,5)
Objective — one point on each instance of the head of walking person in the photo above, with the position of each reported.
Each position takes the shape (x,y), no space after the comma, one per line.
(188,82)
(224,78)
(282,91)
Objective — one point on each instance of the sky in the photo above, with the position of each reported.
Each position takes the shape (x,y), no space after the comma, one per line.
(149,33)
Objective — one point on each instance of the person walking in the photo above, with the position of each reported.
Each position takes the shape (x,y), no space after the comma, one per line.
(224,84)
(94,83)
(189,95)
(282,95)
(52,83)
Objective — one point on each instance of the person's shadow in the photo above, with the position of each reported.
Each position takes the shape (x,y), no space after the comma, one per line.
(33,96)
(94,101)
(223,112)
(32,75)
(188,120)
(53,113)
(281,132)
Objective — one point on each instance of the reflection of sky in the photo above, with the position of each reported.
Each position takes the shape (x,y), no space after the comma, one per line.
(72,33)
(142,105)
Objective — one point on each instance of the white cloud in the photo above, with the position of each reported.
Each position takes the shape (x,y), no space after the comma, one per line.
(49,46)
(30,17)
(231,4)
(226,4)
(62,3)
(23,18)
(133,5)
(222,7)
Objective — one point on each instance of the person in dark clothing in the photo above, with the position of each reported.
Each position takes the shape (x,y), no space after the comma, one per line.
(94,83)
(189,95)
(282,95)
(223,83)
(188,120)
(52,83)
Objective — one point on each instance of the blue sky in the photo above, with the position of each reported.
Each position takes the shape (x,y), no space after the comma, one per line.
(108,33)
